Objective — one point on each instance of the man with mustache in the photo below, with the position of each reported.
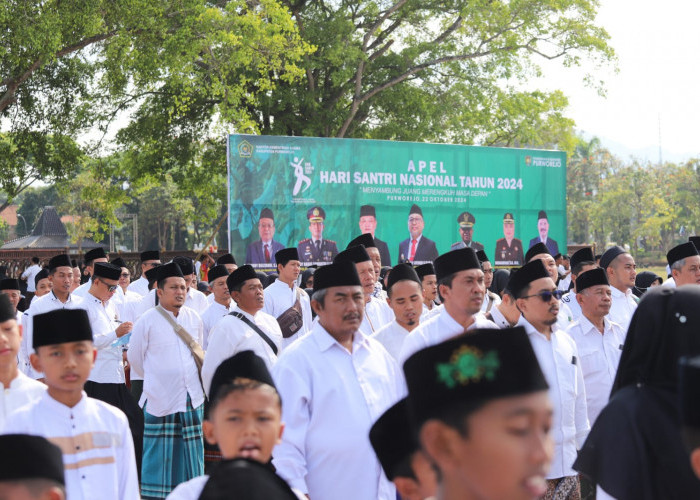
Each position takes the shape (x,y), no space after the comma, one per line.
(537,298)
(335,382)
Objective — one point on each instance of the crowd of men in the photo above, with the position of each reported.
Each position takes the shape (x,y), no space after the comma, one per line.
(434,381)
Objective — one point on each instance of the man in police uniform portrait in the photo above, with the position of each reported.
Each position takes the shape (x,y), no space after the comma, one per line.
(509,249)
(316,248)
(368,224)
(466,223)
(263,251)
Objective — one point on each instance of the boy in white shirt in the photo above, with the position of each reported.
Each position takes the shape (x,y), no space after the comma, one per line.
(98,451)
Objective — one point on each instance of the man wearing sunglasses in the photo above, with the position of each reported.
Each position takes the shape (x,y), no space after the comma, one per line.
(537,298)
(107,381)
(540,252)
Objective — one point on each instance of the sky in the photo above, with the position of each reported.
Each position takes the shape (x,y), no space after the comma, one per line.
(657,83)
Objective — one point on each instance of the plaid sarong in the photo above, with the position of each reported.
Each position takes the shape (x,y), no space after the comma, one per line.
(173,451)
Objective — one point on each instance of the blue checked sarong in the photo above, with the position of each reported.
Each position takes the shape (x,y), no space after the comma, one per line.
(173,451)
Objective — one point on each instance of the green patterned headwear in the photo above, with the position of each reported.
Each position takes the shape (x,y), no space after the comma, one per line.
(480,366)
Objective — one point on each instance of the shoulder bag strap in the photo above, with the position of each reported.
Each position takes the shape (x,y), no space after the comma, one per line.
(194,347)
(257,329)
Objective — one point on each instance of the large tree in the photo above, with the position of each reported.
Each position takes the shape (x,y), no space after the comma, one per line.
(446,70)
(68,65)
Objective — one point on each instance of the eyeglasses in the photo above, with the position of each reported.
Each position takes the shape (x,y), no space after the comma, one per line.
(547,295)
(125,275)
(110,288)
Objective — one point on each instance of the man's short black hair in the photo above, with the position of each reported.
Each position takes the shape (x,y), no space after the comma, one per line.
(238,384)
(35,260)
(455,413)
(404,469)
(576,270)
(447,281)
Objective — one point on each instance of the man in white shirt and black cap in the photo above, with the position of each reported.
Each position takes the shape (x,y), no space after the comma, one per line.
(621,271)
(245,328)
(61,276)
(506,314)
(107,380)
(17,389)
(599,341)
(221,305)
(428,280)
(581,261)
(540,251)
(285,300)
(10,288)
(91,258)
(335,382)
(162,350)
(370,245)
(195,299)
(149,260)
(461,286)
(405,297)
(684,261)
(538,300)
(490,298)
(377,312)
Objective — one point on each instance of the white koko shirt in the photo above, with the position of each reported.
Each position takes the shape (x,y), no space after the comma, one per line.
(331,398)
(98,450)
(165,363)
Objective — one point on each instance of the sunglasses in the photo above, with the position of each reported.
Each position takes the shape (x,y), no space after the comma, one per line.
(546,295)
(110,288)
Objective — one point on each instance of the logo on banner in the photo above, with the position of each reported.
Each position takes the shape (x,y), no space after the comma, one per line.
(538,161)
(302,179)
(245,149)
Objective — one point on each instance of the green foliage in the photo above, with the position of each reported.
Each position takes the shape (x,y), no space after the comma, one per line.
(417,70)
(640,205)
(93,198)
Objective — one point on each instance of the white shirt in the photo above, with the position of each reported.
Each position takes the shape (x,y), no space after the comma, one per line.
(377,315)
(29,274)
(22,390)
(600,355)
(569,300)
(147,302)
(82,290)
(139,286)
(622,308)
(48,302)
(392,337)
(331,399)
(196,300)
(498,318)
(109,365)
(429,313)
(560,364)
(124,302)
(489,297)
(564,317)
(437,329)
(169,372)
(231,335)
(564,283)
(211,317)
(279,297)
(98,451)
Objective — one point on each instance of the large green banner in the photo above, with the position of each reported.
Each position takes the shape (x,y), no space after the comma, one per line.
(420,200)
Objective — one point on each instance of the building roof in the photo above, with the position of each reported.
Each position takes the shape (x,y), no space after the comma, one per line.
(48,233)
